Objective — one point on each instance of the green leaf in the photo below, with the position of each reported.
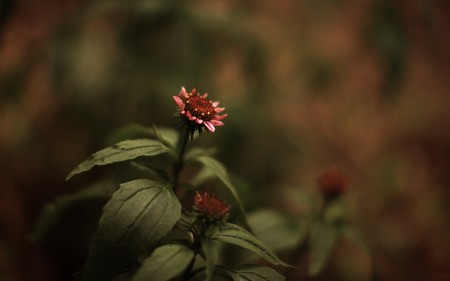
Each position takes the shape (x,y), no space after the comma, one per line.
(204,174)
(220,171)
(167,136)
(52,212)
(149,170)
(251,273)
(165,263)
(212,255)
(276,230)
(123,277)
(132,131)
(358,238)
(122,151)
(323,238)
(353,234)
(136,218)
(196,152)
(236,235)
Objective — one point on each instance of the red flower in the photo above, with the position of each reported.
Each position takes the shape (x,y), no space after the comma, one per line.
(211,207)
(332,183)
(199,111)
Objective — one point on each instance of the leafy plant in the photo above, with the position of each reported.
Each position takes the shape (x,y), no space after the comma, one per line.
(144,233)
(309,240)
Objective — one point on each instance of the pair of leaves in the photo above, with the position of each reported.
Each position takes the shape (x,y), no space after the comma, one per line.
(171,260)
(136,218)
(324,236)
(325,232)
(236,235)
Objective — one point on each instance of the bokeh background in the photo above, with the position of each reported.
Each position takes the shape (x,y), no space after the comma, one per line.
(361,85)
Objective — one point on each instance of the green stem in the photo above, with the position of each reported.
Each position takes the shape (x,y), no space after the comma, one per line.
(187,273)
(197,247)
(182,143)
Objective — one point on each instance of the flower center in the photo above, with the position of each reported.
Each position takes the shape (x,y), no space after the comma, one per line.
(200,107)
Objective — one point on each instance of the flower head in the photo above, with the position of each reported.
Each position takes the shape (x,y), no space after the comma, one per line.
(332,183)
(199,112)
(210,208)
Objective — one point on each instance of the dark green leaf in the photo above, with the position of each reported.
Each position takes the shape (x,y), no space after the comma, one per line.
(276,230)
(358,238)
(149,170)
(211,252)
(129,132)
(203,175)
(52,212)
(236,235)
(323,238)
(220,171)
(136,218)
(123,277)
(196,152)
(122,151)
(167,136)
(251,273)
(165,263)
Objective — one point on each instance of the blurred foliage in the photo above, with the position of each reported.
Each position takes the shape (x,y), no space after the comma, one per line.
(307,84)
(387,35)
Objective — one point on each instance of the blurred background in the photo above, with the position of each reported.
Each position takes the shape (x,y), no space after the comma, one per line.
(361,85)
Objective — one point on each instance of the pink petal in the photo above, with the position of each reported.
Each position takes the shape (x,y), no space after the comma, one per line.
(183,92)
(216,122)
(220,117)
(219,109)
(199,121)
(179,102)
(215,104)
(209,126)
(189,116)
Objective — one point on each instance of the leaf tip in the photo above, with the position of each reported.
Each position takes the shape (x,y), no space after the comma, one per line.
(70,175)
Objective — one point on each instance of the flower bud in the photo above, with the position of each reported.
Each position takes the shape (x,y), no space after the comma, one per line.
(332,183)
(210,208)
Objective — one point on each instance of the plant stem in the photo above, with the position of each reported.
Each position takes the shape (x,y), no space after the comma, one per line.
(187,273)
(182,143)
(196,246)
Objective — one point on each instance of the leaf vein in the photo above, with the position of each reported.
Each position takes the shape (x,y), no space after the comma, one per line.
(141,214)
(118,151)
